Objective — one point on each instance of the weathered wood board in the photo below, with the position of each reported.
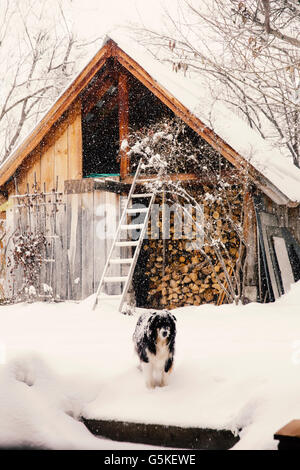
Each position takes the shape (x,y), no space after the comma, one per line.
(79,228)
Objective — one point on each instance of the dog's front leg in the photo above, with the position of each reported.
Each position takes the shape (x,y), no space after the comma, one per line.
(148,373)
(165,374)
(163,379)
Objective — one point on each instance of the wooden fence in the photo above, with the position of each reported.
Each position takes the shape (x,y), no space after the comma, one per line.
(79,228)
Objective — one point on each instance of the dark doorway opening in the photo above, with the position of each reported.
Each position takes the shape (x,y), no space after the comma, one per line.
(100,136)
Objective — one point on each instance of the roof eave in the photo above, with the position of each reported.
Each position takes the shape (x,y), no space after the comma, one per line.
(277,196)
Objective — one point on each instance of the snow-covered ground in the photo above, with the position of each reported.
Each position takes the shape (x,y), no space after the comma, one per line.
(235,367)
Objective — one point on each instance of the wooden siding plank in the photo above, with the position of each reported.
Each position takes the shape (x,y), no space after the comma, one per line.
(112,215)
(61,160)
(34,170)
(63,227)
(75,248)
(75,143)
(87,244)
(47,168)
(49,226)
(3,264)
(10,227)
(99,225)
(42,227)
(22,179)
(59,266)
(67,237)
(250,237)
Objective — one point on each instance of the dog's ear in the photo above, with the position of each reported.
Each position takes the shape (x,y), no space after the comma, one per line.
(171,314)
(150,324)
(151,334)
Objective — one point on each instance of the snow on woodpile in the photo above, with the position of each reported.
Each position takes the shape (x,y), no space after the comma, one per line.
(236,367)
(196,96)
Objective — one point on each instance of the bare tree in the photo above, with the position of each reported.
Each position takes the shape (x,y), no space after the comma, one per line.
(250,51)
(37,55)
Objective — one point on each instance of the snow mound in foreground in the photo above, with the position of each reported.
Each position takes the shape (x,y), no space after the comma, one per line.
(236,367)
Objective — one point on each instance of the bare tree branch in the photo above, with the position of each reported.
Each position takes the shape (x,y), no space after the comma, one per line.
(250,50)
(35,64)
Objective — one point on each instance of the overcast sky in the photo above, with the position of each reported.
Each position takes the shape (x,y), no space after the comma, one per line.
(96,17)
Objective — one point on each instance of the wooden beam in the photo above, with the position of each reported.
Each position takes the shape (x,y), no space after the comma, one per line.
(229,176)
(123,123)
(91,98)
(250,239)
(174,177)
(249,215)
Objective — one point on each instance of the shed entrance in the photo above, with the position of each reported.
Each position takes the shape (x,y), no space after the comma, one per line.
(101,119)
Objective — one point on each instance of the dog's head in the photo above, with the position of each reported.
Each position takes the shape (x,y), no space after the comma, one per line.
(161,325)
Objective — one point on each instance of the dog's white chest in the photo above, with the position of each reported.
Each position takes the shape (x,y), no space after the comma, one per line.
(159,359)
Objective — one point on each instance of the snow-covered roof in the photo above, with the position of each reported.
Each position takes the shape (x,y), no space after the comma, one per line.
(196,97)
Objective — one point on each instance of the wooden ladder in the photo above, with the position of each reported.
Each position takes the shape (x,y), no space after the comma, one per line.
(125,225)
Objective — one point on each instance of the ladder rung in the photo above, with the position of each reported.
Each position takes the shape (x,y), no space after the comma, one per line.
(121,261)
(134,211)
(142,195)
(127,243)
(115,279)
(131,226)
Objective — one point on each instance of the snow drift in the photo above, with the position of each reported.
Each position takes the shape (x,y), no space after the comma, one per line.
(236,367)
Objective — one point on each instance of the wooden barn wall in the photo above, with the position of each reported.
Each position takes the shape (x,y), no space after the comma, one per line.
(57,158)
(75,226)
(294,222)
(2,255)
(287,217)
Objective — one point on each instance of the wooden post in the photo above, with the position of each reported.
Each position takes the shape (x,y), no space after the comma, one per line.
(123,123)
(250,236)
(164,230)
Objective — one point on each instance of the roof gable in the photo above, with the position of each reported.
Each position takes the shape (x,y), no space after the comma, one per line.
(180,96)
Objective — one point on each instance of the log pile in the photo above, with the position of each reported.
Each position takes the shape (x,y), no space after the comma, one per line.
(180,277)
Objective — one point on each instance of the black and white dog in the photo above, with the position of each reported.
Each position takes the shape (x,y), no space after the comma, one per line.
(154,340)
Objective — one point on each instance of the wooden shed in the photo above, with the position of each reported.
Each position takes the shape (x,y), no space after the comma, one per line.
(69,178)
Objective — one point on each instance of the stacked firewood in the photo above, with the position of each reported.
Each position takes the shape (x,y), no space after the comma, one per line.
(179,276)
